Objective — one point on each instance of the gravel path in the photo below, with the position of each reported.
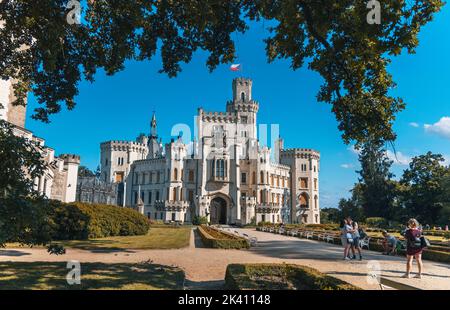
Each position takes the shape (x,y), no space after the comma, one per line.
(205,268)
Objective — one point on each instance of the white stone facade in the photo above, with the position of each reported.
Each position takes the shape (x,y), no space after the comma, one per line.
(225,174)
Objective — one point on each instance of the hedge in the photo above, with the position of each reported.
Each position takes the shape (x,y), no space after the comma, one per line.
(280,276)
(213,238)
(80,221)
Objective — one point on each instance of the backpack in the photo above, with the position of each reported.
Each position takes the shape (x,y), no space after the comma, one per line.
(424,242)
(362,233)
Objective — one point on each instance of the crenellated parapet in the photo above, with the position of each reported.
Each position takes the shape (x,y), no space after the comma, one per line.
(217,117)
(117,145)
(70,158)
(300,153)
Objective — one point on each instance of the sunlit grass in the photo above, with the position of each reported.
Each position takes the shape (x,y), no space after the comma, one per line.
(52,275)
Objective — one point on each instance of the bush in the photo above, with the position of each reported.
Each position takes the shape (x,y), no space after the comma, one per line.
(265,224)
(199,220)
(213,238)
(280,276)
(322,226)
(377,222)
(78,221)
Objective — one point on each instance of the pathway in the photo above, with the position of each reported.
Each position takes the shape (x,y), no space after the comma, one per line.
(205,268)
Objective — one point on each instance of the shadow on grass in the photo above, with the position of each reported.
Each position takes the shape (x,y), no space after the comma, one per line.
(95,246)
(52,275)
(13,253)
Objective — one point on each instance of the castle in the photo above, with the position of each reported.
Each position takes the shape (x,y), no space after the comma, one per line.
(59,180)
(225,174)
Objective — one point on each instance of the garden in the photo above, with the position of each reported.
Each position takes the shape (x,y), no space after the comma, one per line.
(215,238)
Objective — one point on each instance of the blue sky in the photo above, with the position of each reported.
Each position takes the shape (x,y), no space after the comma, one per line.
(120,107)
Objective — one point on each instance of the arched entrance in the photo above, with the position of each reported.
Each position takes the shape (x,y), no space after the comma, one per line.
(218,211)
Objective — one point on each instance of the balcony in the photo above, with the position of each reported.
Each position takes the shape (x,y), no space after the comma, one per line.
(170,205)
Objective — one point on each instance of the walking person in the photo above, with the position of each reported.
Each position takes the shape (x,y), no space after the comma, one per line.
(346,237)
(413,248)
(356,237)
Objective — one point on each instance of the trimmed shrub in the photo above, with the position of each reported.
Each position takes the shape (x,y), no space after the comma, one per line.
(79,221)
(213,238)
(280,276)
(199,220)
(266,224)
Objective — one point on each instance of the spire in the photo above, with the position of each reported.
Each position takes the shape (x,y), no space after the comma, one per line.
(153,124)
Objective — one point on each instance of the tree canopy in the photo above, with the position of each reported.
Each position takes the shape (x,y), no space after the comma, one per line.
(50,56)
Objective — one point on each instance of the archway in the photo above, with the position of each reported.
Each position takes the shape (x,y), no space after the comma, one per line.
(218,211)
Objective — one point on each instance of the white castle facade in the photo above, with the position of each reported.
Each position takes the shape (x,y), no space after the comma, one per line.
(225,175)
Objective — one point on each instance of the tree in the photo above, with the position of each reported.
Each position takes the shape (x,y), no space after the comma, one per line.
(24,214)
(20,163)
(425,185)
(85,172)
(349,207)
(330,215)
(444,198)
(376,190)
(333,36)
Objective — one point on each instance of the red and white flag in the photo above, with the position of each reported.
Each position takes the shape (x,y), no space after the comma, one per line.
(235,67)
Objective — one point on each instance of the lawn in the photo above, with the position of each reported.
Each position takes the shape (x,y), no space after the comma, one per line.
(157,238)
(48,276)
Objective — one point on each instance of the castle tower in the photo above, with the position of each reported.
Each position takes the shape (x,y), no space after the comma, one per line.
(244,107)
(71,164)
(154,148)
(14,114)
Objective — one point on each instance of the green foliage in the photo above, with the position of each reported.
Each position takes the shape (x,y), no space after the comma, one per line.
(376,190)
(334,37)
(377,222)
(78,221)
(425,183)
(200,220)
(85,172)
(213,238)
(264,223)
(280,276)
(20,163)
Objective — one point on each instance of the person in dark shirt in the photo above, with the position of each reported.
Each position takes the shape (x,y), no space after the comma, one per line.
(413,247)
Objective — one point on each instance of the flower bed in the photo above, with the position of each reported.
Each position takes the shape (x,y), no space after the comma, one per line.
(213,238)
(280,277)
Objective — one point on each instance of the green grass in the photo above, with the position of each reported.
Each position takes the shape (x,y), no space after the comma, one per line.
(281,277)
(157,238)
(51,276)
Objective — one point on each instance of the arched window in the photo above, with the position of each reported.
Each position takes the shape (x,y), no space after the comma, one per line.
(303,199)
(175,174)
(261,177)
(243,96)
(254,177)
(316,205)
(191,175)
(174,197)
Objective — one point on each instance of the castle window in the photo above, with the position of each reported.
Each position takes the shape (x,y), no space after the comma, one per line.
(243,178)
(220,168)
(261,177)
(316,205)
(174,196)
(303,182)
(135,197)
(158,176)
(191,175)
(106,161)
(254,177)
(175,174)
(157,195)
(149,197)
(243,96)
(315,184)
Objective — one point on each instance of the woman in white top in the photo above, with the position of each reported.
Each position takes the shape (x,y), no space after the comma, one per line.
(346,237)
